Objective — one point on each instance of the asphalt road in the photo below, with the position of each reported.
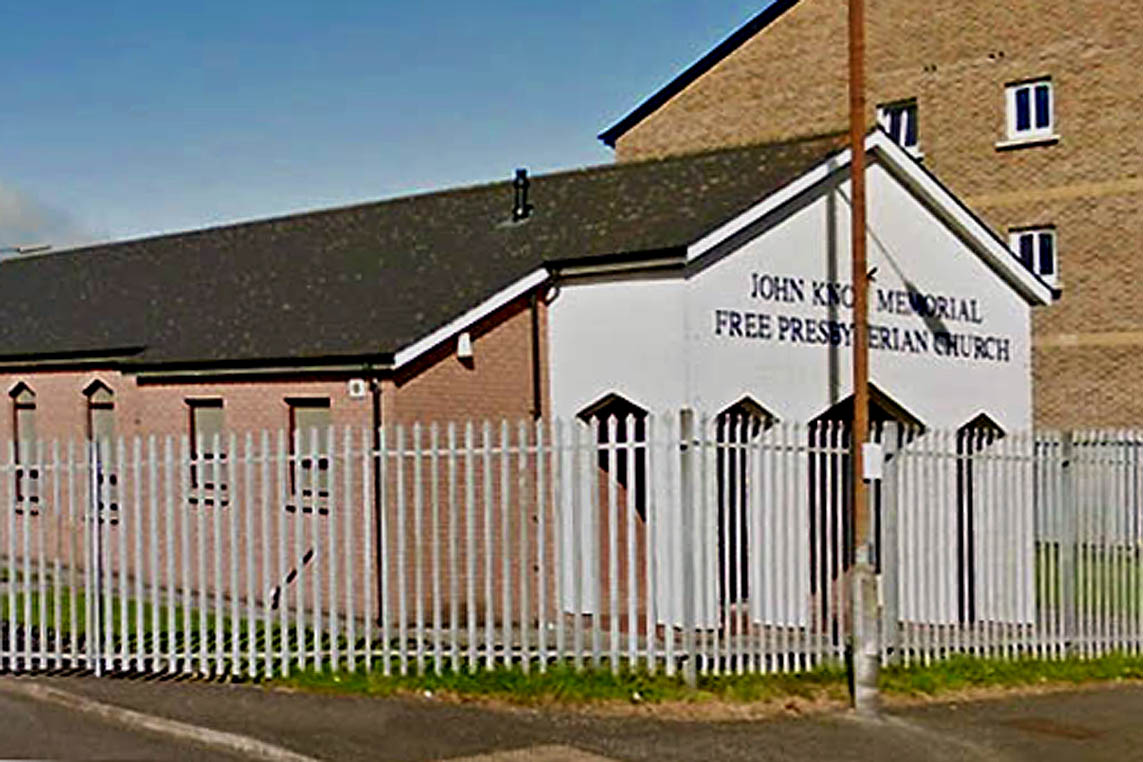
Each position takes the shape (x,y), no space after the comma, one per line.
(34,730)
(1094,725)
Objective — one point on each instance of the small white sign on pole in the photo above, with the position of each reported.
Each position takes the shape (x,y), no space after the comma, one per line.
(873,459)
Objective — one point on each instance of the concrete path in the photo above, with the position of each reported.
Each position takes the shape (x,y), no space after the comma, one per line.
(1095,725)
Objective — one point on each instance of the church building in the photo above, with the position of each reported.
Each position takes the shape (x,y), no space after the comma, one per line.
(707,281)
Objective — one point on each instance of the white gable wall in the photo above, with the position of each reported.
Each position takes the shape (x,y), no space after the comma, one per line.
(622,336)
(665,344)
(725,331)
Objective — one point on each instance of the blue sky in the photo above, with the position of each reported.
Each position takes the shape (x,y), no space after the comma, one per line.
(123,119)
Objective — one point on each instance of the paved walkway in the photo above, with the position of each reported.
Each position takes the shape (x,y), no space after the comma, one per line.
(1096,725)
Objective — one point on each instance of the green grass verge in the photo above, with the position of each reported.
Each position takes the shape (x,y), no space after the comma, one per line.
(562,684)
(28,611)
(960,673)
(186,634)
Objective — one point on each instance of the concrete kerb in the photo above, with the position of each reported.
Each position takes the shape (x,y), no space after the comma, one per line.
(128,718)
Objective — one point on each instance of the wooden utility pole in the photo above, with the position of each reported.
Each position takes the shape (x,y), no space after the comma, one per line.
(865,652)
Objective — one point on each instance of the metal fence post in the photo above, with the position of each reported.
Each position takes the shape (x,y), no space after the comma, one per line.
(687,476)
(93,639)
(1068,505)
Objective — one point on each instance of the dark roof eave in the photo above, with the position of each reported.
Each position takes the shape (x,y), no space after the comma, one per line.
(86,358)
(662,257)
(369,363)
(752,27)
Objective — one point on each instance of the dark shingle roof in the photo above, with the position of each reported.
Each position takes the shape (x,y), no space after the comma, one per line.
(365,281)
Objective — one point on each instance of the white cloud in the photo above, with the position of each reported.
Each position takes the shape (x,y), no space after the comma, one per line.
(26,221)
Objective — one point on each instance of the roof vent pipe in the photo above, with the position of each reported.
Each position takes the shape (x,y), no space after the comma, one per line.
(521,209)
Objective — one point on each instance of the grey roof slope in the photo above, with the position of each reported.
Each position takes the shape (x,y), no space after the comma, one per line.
(364,281)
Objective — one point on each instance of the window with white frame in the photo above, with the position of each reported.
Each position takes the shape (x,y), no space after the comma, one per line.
(1031,110)
(208,467)
(1036,248)
(900,121)
(309,454)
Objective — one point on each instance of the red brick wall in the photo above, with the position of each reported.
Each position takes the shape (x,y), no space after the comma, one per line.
(161,408)
(497,385)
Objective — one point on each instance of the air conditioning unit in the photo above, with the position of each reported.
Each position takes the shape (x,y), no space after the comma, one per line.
(358,389)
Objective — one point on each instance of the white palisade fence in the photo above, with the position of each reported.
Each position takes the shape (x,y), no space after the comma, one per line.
(673,542)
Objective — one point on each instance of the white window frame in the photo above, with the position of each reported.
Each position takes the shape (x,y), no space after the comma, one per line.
(209,476)
(1034,132)
(884,118)
(1038,235)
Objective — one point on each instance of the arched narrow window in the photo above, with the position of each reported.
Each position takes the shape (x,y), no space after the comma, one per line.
(101,433)
(971,439)
(25,449)
(736,427)
(100,412)
(621,435)
(831,483)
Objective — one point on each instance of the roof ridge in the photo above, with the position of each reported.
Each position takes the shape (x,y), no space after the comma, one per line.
(736,148)
(457,191)
(773,10)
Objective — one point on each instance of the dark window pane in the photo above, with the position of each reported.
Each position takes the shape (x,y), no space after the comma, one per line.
(1043,107)
(895,125)
(1027,244)
(625,420)
(1047,254)
(1023,109)
(911,127)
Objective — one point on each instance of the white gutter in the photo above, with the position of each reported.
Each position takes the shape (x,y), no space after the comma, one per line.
(474,315)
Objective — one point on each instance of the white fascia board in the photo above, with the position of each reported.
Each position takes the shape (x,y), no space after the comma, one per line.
(771,203)
(479,312)
(906,168)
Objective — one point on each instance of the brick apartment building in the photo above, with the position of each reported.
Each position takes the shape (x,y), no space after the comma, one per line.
(1028,111)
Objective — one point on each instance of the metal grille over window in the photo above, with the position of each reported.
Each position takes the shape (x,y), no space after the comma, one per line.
(26,451)
(209,477)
